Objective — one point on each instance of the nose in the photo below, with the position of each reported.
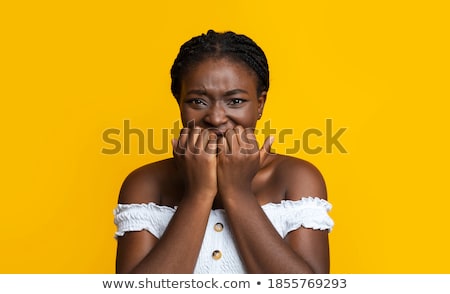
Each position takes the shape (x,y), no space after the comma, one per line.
(216,115)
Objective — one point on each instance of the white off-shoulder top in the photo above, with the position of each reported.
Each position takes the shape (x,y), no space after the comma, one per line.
(218,253)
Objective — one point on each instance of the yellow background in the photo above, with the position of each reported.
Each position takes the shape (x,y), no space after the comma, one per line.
(72,69)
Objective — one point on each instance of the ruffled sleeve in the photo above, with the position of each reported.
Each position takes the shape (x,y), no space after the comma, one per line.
(308,212)
(138,217)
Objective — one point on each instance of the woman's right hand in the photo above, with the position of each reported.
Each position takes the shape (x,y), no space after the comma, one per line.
(195,155)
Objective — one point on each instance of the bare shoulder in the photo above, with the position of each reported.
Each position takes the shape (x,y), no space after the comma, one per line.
(145,184)
(300,177)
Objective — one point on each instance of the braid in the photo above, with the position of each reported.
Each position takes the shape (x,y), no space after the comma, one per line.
(212,44)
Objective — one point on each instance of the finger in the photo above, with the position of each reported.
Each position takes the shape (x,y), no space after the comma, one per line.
(178,145)
(194,134)
(265,149)
(222,146)
(175,146)
(230,140)
(181,142)
(203,139)
(249,143)
(240,136)
(211,143)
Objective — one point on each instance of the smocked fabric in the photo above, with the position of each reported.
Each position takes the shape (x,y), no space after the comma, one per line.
(218,253)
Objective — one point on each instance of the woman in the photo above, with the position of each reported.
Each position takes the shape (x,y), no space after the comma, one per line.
(222,204)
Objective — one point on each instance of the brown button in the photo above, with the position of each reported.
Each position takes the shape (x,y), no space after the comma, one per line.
(217,254)
(218,227)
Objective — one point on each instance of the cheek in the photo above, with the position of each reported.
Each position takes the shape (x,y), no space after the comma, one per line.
(244,118)
(188,117)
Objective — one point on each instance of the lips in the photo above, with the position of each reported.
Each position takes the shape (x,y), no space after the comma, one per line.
(219,133)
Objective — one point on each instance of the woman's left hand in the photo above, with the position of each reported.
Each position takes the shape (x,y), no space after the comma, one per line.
(239,159)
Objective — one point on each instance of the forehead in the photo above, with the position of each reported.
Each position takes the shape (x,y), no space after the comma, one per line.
(220,71)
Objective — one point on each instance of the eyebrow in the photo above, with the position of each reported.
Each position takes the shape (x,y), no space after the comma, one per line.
(235,91)
(227,93)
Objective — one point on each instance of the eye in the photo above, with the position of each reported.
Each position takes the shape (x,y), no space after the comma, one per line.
(196,101)
(235,101)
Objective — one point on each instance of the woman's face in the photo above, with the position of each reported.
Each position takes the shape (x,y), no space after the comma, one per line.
(220,94)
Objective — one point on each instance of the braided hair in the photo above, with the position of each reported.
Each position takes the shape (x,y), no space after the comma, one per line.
(220,45)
